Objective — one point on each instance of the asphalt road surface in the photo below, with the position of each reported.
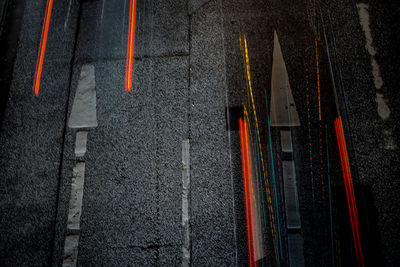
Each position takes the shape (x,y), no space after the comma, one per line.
(226,152)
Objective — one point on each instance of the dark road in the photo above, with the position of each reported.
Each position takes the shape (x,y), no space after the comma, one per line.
(199,133)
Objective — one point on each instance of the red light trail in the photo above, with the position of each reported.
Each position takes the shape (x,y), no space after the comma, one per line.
(42,47)
(247,183)
(131,46)
(348,183)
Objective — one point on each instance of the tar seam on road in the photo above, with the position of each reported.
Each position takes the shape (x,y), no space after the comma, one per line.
(185,202)
(54,259)
(229,131)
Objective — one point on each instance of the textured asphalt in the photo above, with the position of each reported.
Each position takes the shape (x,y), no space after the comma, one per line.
(188,68)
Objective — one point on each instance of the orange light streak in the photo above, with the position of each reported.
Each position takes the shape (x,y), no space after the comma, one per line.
(42,47)
(348,183)
(131,46)
(248,191)
(245,182)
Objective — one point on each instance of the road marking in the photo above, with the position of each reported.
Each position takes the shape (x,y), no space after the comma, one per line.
(383,109)
(286,141)
(80,144)
(185,202)
(75,202)
(83,113)
(382,106)
(291,198)
(71,251)
(42,47)
(283,108)
(296,251)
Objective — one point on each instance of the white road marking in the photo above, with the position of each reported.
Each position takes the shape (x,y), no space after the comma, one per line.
(70,251)
(80,144)
(382,106)
(383,109)
(296,251)
(83,113)
(75,202)
(283,108)
(185,202)
(286,141)
(291,198)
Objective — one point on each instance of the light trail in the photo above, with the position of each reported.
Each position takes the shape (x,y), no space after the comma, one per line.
(245,169)
(266,181)
(348,183)
(330,195)
(131,46)
(318,82)
(42,47)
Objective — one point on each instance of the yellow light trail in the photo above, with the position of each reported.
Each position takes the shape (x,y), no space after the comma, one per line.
(266,181)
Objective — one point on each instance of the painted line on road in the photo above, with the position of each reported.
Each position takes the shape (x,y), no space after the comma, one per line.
(75,202)
(185,202)
(80,143)
(83,113)
(71,251)
(382,108)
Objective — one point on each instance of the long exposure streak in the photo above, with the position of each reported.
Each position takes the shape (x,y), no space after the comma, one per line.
(42,47)
(348,183)
(246,170)
(131,46)
(318,83)
(267,187)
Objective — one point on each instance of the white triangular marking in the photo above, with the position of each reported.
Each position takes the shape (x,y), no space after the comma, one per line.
(83,113)
(283,108)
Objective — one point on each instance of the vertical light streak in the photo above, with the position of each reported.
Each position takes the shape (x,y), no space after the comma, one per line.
(131,46)
(348,183)
(245,169)
(318,82)
(330,194)
(42,47)
(251,194)
(266,181)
